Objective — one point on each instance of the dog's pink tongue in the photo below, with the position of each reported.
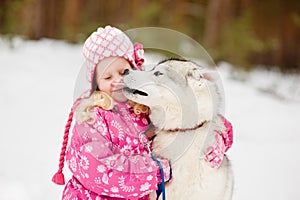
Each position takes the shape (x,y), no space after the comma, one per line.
(118,86)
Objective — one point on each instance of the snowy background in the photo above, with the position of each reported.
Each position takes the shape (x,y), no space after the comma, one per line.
(36,85)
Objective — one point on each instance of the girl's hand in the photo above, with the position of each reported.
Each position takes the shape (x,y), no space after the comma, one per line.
(224,140)
(150,132)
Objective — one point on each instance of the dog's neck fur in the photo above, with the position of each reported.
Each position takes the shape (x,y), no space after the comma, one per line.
(180,116)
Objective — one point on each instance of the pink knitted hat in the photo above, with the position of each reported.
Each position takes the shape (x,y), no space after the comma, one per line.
(105,42)
(110,42)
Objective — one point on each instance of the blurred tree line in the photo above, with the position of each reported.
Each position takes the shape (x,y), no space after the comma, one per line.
(244,32)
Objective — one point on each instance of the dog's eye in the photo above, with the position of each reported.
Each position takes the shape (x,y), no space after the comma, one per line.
(158,73)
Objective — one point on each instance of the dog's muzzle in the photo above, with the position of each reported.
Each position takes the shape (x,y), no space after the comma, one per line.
(134,91)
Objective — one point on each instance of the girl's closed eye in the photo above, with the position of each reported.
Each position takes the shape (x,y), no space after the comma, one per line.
(107,78)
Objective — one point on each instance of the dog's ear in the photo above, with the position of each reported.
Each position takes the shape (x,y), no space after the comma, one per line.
(176,76)
(211,76)
(195,73)
(200,73)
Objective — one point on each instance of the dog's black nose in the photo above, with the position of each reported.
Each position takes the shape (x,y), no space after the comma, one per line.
(126,72)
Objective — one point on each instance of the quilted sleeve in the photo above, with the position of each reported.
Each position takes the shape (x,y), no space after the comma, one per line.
(227,135)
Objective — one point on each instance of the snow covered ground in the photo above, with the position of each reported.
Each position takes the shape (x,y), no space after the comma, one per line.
(36,86)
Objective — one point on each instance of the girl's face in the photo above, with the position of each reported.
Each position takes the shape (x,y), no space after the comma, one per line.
(109,77)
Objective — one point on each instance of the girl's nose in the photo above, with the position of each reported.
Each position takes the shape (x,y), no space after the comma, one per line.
(117,81)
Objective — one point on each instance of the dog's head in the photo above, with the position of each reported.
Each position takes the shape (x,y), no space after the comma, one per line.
(179,93)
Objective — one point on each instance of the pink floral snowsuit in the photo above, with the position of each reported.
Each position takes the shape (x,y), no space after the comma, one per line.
(108,158)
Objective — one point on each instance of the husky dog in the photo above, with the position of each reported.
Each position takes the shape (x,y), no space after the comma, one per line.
(184,104)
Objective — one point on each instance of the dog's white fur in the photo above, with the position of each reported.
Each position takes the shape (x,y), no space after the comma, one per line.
(181,95)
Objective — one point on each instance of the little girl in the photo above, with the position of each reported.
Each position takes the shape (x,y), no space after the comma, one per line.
(109,155)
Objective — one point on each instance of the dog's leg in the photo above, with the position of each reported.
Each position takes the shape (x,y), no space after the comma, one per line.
(230,181)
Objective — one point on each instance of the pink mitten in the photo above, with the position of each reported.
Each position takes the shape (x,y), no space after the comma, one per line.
(224,139)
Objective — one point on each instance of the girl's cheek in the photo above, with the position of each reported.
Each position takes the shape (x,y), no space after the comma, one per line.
(106,86)
(110,89)
(111,86)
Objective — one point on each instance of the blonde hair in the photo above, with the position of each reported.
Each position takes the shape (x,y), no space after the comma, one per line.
(85,109)
(138,108)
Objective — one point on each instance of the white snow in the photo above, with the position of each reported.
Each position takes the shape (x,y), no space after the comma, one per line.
(36,85)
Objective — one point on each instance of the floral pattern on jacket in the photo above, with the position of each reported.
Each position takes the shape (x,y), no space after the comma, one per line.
(108,159)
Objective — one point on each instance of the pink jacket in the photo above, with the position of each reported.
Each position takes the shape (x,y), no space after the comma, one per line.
(108,158)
